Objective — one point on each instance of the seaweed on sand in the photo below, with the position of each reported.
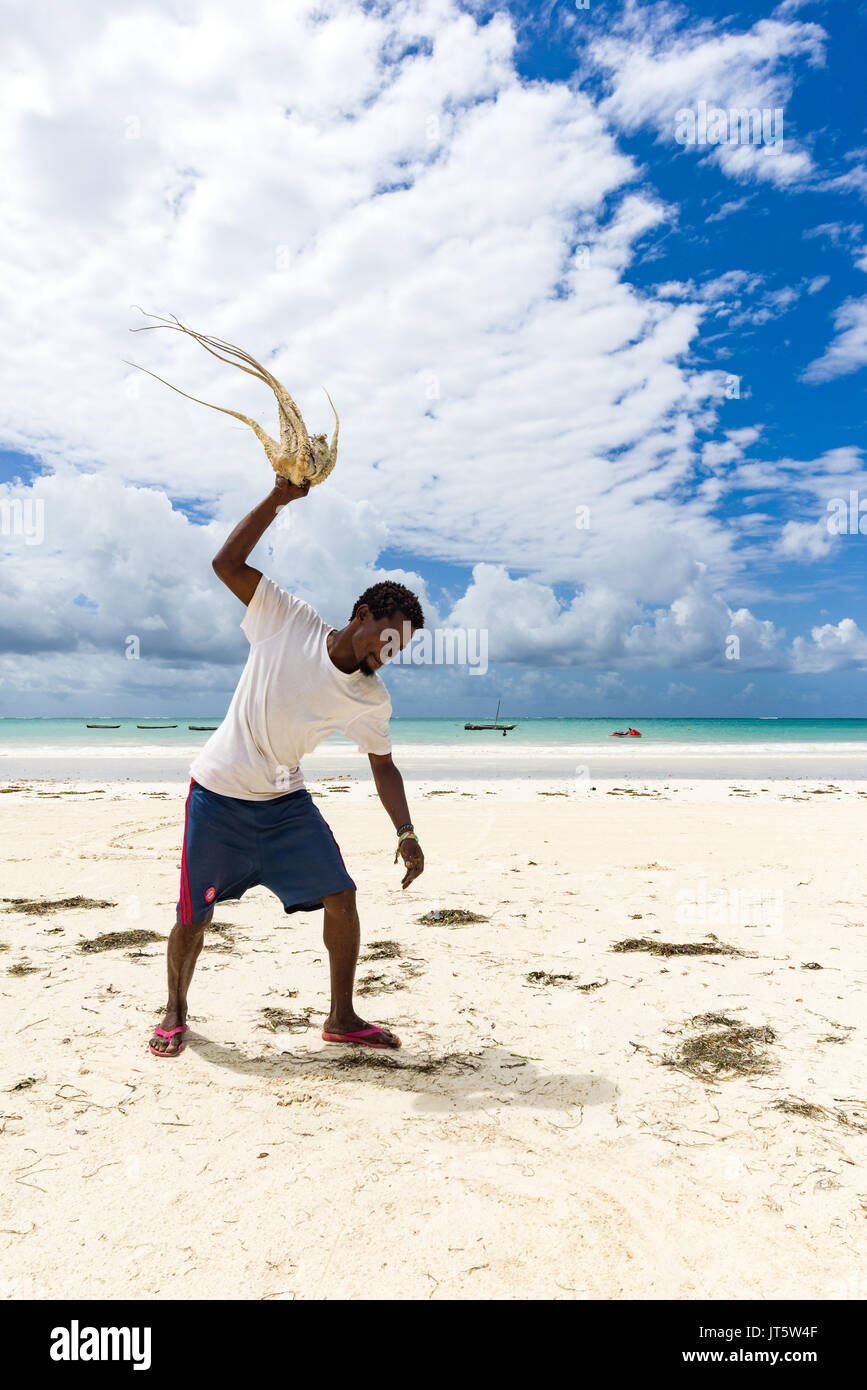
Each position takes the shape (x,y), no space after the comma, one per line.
(116,940)
(807,1110)
(804,1108)
(378,984)
(40,906)
(450,917)
(382,950)
(225,940)
(542,977)
(731,1049)
(631,791)
(677,948)
(370,1058)
(411,968)
(85,791)
(223,944)
(277,1019)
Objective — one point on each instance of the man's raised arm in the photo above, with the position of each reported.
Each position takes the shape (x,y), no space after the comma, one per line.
(230,561)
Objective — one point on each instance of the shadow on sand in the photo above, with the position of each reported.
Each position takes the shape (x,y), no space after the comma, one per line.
(448,1082)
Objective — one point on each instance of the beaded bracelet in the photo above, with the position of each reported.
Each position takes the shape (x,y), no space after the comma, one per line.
(407,835)
(407,826)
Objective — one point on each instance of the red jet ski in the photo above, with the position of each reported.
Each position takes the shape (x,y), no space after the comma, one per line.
(626,733)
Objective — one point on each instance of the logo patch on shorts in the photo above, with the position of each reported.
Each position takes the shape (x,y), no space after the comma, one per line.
(210,895)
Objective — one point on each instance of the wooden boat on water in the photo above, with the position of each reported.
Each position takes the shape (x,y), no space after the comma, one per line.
(103,726)
(496,724)
(203,728)
(156,726)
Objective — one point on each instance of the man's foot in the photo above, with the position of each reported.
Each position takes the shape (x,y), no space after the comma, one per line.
(171,1046)
(357,1030)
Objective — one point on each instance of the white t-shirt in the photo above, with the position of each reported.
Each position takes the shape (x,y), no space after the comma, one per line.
(290,697)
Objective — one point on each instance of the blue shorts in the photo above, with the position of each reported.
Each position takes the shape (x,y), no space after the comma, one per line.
(231,845)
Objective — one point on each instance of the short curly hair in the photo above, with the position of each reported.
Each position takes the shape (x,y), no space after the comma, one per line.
(387,598)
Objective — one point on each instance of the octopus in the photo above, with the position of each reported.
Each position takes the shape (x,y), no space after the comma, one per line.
(298,456)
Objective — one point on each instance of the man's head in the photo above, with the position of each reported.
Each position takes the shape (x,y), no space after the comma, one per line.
(383,620)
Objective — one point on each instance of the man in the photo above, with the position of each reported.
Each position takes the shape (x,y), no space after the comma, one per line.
(249,818)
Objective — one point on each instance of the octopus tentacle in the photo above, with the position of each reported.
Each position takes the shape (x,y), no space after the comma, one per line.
(325,454)
(210,345)
(270,445)
(254,370)
(296,456)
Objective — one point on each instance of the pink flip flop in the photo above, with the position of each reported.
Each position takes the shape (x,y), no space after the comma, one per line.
(363,1038)
(163,1034)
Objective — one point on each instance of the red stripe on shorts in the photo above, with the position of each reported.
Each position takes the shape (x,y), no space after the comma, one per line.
(186,915)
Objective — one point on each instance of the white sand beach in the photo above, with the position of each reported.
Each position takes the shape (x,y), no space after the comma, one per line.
(539,1135)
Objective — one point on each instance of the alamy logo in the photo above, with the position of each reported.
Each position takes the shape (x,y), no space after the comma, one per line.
(713,125)
(76,1343)
(847,516)
(445,646)
(23,518)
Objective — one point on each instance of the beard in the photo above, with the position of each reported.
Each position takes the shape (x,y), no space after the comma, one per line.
(366,668)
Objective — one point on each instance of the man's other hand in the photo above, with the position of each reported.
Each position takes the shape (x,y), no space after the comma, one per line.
(413,858)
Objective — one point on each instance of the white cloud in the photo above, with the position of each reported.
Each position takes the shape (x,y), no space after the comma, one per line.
(658,61)
(143,569)
(730,448)
(805,540)
(838,233)
(830,475)
(833,646)
(727,209)
(600,627)
(848,351)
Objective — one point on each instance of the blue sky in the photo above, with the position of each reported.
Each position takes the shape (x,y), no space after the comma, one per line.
(475,225)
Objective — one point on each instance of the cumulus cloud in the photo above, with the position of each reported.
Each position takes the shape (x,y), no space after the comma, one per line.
(601,629)
(832,646)
(805,540)
(90,562)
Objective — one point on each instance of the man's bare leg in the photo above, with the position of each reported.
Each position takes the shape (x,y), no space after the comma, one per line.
(342,933)
(185,943)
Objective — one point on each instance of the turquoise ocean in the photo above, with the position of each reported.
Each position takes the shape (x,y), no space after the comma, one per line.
(65,733)
(442,748)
